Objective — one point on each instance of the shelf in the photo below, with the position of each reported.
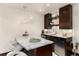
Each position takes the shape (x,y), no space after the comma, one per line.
(55,25)
(52,18)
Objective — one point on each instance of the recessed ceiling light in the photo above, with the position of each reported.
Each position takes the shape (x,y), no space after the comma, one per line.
(40,10)
(31,17)
(48,5)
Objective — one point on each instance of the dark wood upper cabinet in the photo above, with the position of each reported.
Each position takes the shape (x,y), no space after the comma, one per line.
(65,17)
(47,21)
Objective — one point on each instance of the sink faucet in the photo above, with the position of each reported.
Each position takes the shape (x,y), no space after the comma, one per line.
(25,34)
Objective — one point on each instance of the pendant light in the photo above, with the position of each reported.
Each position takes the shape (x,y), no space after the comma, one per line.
(24,20)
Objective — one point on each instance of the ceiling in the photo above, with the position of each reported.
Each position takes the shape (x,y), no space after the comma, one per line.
(35,7)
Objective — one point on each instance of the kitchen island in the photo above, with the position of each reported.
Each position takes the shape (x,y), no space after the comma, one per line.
(42,48)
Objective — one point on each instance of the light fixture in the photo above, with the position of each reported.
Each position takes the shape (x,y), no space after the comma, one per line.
(25,21)
(47,4)
(31,17)
(40,10)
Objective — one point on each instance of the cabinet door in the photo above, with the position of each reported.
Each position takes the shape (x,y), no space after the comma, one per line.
(45,50)
(47,21)
(65,17)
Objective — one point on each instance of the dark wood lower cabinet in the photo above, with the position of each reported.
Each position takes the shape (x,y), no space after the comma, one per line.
(64,44)
(44,51)
(68,46)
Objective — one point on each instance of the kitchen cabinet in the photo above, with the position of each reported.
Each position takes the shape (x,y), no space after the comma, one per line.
(41,51)
(44,51)
(47,21)
(62,46)
(65,17)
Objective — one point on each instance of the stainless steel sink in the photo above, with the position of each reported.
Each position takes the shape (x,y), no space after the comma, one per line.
(35,40)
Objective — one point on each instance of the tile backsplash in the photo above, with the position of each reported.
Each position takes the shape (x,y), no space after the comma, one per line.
(68,32)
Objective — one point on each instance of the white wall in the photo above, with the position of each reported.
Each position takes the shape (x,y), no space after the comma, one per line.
(12,25)
(76,22)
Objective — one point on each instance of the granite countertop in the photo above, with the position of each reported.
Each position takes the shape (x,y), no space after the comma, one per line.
(62,33)
(59,35)
(28,45)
